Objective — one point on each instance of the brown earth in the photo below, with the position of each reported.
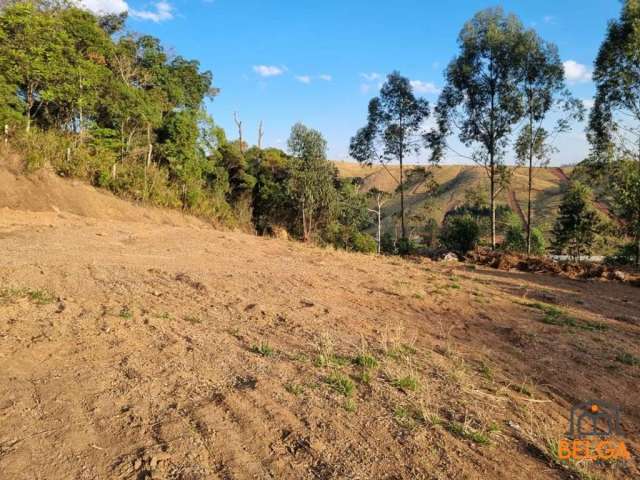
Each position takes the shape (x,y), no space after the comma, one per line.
(141,344)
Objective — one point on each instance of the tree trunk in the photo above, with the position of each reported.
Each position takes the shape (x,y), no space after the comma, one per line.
(402,198)
(29,107)
(379,227)
(493,201)
(530,186)
(304,223)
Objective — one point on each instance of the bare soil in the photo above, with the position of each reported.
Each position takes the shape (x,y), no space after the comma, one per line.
(148,345)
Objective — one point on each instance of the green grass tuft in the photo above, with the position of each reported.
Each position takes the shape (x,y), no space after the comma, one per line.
(555,316)
(341,384)
(263,349)
(628,359)
(462,431)
(366,361)
(407,383)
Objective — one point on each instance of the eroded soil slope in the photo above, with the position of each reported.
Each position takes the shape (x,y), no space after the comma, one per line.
(137,349)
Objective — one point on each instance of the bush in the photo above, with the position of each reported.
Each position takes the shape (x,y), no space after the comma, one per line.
(625,255)
(460,234)
(406,246)
(348,238)
(516,240)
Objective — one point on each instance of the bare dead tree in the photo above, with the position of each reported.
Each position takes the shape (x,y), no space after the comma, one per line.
(238,122)
(260,135)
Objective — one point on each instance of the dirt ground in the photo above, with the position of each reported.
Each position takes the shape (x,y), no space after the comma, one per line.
(152,347)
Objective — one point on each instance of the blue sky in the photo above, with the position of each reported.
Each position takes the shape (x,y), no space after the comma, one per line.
(319,62)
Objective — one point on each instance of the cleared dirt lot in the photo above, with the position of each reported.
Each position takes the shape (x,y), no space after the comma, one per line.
(162,348)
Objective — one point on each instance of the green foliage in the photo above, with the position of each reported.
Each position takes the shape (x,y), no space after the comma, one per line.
(460,233)
(263,349)
(481,94)
(312,180)
(406,246)
(366,361)
(555,316)
(613,123)
(407,383)
(624,255)
(341,384)
(577,226)
(394,129)
(515,239)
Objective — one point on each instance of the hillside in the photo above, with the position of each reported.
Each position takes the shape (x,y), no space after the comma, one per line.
(138,343)
(453,182)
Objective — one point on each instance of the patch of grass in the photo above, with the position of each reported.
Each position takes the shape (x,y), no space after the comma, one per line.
(418,296)
(401,351)
(350,405)
(366,361)
(341,384)
(628,359)
(462,431)
(263,349)
(40,297)
(294,389)
(523,389)
(455,286)
(126,313)
(408,383)
(408,416)
(555,316)
(434,419)
(192,320)
(364,377)
(37,296)
(331,360)
(486,371)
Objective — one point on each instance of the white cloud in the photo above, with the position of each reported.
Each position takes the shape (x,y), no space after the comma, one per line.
(162,11)
(303,78)
(105,6)
(588,102)
(424,87)
(325,77)
(549,19)
(576,72)
(371,77)
(268,70)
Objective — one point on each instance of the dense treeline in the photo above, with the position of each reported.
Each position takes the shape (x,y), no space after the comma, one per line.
(92,100)
(95,101)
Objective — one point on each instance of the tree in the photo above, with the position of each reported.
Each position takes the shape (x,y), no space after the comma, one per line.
(312,179)
(578,224)
(380,199)
(394,129)
(32,55)
(544,91)
(482,98)
(614,122)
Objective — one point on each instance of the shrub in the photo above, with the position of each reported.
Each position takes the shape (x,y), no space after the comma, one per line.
(460,233)
(516,240)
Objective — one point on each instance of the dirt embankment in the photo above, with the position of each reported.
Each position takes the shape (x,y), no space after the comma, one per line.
(44,191)
(144,348)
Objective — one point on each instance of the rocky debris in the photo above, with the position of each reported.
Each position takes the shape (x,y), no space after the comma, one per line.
(450,257)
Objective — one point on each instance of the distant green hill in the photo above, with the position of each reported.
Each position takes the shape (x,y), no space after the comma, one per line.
(453,183)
